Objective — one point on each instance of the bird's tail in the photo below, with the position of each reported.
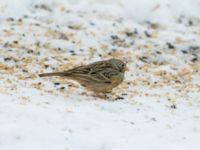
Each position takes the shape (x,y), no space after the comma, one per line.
(54,74)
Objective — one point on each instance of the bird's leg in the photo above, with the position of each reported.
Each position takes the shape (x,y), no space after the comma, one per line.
(101,95)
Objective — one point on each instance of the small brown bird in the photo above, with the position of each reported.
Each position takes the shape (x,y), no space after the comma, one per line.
(100,76)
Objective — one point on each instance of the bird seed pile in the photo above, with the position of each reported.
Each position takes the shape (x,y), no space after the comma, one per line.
(158,57)
(158,101)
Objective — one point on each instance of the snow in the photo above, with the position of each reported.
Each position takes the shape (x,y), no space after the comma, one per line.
(156,107)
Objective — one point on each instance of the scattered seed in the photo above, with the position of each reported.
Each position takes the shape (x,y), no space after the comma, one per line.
(184,51)
(37,24)
(158,52)
(30,51)
(153,119)
(71,51)
(144,59)
(177,81)
(92,24)
(63,36)
(109,53)
(16,42)
(147,34)
(114,49)
(23,70)
(43,6)
(7,59)
(25,16)
(74,27)
(10,19)
(20,20)
(46,66)
(190,22)
(129,34)
(114,37)
(37,43)
(62,88)
(170,46)
(194,47)
(128,83)
(73,54)
(119,98)
(56,83)
(173,106)
(124,94)
(6,44)
(195,58)
(132,42)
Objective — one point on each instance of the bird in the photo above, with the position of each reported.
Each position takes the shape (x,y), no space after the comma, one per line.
(99,77)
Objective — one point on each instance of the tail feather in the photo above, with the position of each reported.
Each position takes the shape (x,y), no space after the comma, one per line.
(54,74)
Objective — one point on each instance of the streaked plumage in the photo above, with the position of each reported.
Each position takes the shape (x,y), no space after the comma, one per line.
(101,76)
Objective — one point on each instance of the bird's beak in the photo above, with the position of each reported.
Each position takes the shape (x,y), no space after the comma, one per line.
(126,69)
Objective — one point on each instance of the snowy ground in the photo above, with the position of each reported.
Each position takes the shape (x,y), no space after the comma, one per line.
(156,107)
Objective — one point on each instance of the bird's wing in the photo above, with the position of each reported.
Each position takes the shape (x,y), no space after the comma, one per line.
(90,69)
(102,75)
(100,71)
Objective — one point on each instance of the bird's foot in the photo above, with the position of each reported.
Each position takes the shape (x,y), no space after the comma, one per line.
(104,96)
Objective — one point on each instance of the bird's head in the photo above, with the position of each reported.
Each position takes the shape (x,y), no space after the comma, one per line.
(118,64)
